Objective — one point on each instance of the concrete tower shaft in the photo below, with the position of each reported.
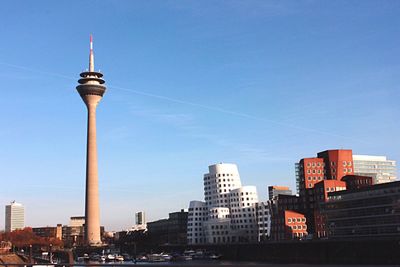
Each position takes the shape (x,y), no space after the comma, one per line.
(91,89)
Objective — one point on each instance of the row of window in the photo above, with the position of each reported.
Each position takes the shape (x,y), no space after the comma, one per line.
(217,175)
(298,227)
(318,164)
(290,220)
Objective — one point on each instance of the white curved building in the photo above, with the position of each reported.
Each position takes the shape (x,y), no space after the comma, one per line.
(230,209)
(220,180)
(243,214)
(197,215)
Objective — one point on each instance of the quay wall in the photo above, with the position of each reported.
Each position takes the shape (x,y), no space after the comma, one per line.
(310,252)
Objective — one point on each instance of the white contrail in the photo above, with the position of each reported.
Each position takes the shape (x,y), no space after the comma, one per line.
(166,98)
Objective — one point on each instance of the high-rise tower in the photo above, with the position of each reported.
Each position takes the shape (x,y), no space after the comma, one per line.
(91,88)
(15,216)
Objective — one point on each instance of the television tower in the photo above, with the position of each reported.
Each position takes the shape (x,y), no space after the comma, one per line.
(91,88)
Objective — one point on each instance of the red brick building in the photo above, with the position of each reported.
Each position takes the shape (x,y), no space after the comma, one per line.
(290,225)
(328,165)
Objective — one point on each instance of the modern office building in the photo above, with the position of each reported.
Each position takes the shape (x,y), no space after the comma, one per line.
(228,214)
(367,212)
(91,89)
(14,217)
(275,190)
(379,168)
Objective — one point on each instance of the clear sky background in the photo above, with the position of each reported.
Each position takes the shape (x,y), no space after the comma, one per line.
(190,83)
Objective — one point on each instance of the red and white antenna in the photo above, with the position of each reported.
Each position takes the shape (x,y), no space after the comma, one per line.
(91,55)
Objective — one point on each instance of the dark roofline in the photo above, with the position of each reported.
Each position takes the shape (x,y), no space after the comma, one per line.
(363,189)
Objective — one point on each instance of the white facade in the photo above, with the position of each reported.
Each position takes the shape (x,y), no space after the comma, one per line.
(197,215)
(77,221)
(220,180)
(229,213)
(243,214)
(15,217)
(379,168)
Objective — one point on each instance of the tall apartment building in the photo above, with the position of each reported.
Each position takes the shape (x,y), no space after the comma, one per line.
(379,168)
(229,211)
(15,217)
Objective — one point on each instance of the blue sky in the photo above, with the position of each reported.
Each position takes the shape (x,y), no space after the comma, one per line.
(190,83)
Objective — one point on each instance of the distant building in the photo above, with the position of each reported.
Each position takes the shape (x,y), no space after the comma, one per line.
(368,212)
(140,218)
(77,221)
(49,231)
(140,222)
(15,217)
(74,233)
(379,168)
(275,190)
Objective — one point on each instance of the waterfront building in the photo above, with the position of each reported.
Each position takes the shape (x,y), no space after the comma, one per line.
(91,89)
(278,206)
(379,168)
(275,190)
(290,225)
(220,180)
(197,215)
(228,214)
(328,165)
(367,212)
(14,216)
(321,191)
(169,231)
(244,224)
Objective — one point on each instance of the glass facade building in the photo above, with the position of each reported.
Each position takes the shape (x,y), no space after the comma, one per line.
(379,168)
